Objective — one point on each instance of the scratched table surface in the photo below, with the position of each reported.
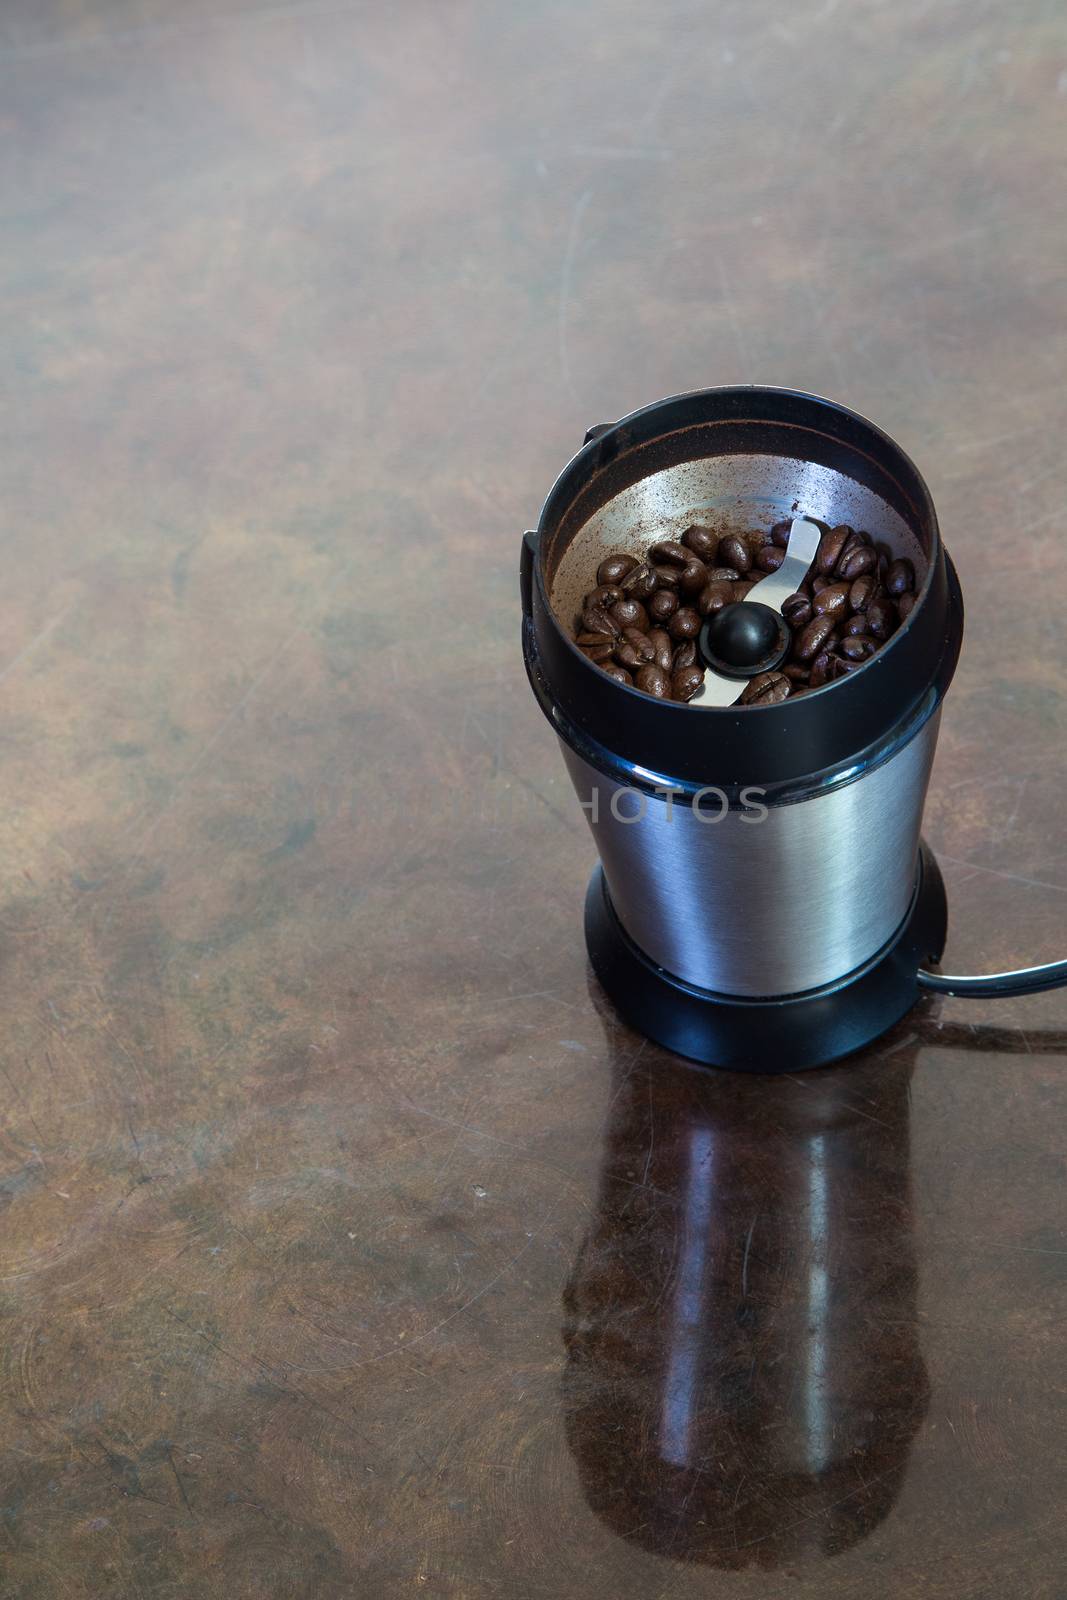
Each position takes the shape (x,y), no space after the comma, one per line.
(350,1245)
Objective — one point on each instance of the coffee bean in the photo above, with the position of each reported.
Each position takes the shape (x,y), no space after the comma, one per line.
(641,582)
(820,583)
(694,577)
(856,626)
(629,614)
(663,644)
(584,639)
(685,624)
(769,558)
(840,667)
(597,620)
(653,681)
(901,577)
(830,547)
(723,574)
(599,652)
(620,675)
(641,642)
(685,655)
(780,533)
(881,619)
(820,669)
(796,609)
(701,541)
(830,602)
(857,647)
(733,552)
(856,561)
(686,681)
(668,553)
(796,672)
(864,588)
(662,605)
(714,597)
(905,606)
(768,689)
(742,590)
(667,577)
(612,568)
(627,657)
(813,638)
(604,595)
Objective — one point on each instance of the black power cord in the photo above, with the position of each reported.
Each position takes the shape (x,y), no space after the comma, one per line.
(1028,980)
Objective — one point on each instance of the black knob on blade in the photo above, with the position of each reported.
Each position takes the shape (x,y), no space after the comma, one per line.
(743,640)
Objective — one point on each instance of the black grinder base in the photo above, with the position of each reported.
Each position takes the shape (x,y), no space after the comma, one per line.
(781,1034)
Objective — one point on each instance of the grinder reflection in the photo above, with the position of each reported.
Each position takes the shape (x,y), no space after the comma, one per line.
(743,1377)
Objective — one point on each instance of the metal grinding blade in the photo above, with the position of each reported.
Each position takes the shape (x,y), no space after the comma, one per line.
(770,591)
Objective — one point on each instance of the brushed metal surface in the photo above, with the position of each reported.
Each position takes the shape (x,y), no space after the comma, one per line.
(766,907)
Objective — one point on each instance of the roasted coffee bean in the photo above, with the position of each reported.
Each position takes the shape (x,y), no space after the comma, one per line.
(685,624)
(701,541)
(686,681)
(667,577)
(669,553)
(856,561)
(856,626)
(597,620)
(733,552)
(599,652)
(653,681)
(664,647)
(796,672)
(821,668)
(723,575)
(742,590)
(880,619)
(629,613)
(840,667)
(612,568)
(605,594)
(641,582)
(769,558)
(831,601)
(584,639)
(641,642)
(900,578)
(768,689)
(781,531)
(812,639)
(863,589)
(694,577)
(830,547)
(663,604)
(714,597)
(904,606)
(796,609)
(685,655)
(857,647)
(620,675)
(820,583)
(626,656)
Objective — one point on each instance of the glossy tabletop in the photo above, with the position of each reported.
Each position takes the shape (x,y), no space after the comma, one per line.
(350,1246)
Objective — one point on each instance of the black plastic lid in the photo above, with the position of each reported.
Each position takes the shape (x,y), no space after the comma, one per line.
(779,744)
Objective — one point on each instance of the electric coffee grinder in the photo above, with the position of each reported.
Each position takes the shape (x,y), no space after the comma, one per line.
(763,900)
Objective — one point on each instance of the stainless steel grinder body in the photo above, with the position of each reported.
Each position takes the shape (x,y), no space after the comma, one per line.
(762,901)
